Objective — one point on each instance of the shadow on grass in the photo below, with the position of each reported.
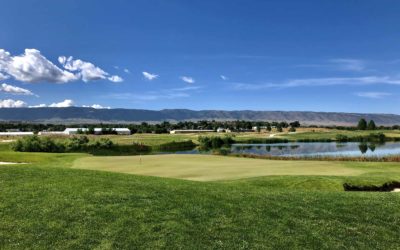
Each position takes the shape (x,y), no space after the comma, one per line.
(386,187)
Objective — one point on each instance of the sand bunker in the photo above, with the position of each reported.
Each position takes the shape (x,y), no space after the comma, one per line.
(9,163)
(5,141)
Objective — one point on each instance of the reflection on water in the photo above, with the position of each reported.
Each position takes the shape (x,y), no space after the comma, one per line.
(318,149)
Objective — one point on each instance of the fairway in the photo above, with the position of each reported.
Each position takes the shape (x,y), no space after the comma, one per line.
(212,168)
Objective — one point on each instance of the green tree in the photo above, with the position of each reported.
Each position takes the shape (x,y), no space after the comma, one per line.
(371,125)
(362,124)
(295,124)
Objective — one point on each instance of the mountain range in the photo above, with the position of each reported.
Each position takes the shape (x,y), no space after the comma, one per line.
(90,115)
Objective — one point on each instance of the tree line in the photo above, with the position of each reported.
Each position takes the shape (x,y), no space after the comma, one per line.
(165,127)
(158,128)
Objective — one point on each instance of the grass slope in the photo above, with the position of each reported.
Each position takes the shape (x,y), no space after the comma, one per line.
(48,205)
(77,209)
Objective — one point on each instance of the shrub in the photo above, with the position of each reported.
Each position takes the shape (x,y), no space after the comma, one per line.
(377,137)
(76,143)
(37,144)
(215,141)
(103,143)
(172,146)
(342,138)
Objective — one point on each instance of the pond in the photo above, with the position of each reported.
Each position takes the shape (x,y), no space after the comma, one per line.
(312,149)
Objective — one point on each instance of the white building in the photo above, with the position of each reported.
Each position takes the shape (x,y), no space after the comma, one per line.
(51,133)
(122,131)
(97,131)
(74,131)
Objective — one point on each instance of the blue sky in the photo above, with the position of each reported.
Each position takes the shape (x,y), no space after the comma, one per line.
(232,55)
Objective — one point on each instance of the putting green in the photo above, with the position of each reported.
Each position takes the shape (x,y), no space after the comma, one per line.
(211,168)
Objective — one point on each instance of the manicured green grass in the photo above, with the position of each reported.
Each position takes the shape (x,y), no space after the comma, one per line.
(211,168)
(47,204)
(332,133)
(77,209)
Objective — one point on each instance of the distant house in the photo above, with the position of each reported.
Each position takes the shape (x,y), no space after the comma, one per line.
(51,133)
(255,128)
(74,131)
(122,131)
(190,131)
(220,130)
(223,130)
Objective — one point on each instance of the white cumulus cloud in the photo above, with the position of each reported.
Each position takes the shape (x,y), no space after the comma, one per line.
(96,106)
(85,70)
(14,90)
(64,104)
(38,106)
(9,103)
(187,79)
(32,67)
(149,76)
(115,78)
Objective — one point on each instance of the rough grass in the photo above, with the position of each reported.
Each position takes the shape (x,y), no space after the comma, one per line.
(301,134)
(59,208)
(150,139)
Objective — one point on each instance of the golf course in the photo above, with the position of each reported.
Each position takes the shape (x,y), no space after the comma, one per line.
(183,201)
(191,125)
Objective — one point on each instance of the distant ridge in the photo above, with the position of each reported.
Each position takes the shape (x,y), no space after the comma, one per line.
(90,115)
